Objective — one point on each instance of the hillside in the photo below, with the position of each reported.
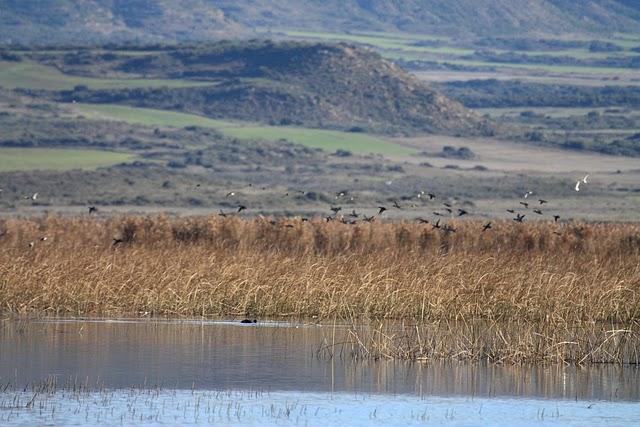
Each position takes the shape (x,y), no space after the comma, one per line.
(316,85)
(96,21)
(449,17)
(90,21)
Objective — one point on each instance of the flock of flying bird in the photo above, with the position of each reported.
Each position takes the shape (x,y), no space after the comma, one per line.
(352,217)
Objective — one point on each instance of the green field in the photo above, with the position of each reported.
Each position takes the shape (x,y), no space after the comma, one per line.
(317,138)
(29,75)
(14,159)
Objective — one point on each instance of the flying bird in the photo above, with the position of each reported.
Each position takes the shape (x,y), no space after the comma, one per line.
(116,241)
(368,218)
(354,214)
(577,187)
(525,204)
(381,209)
(396,204)
(556,218)
(585,178)
(542,201)
(92,209)
(519,218)
(222,214)
(230,194)
(241,208)
(538,211)
(462,212)
(486,227)
(336,209)
(422,221)
(527,194)
(436,225)
(511,211)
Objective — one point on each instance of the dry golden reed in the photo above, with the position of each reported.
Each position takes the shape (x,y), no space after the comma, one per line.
(517,292)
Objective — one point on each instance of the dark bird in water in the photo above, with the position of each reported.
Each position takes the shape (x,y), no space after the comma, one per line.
(422,221)
(519,218)
(542,201)
(230,194)
(368,218)
(486,227)
(248,321)
(396,204)
(525,204)
(117,241)
(336,209)
(92,209)
(197,185)
(354,214)
(462,212)
(556,218)
(329,218)
(381,209)
(222,214)
(436,225)
(538,211)
(241,208)
(511,211)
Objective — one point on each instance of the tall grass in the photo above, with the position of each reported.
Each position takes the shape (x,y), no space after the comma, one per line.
(517,292)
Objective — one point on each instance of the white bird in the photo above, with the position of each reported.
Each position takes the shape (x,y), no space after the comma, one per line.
(35,196)
(578,185)
(527,194)
(585,178)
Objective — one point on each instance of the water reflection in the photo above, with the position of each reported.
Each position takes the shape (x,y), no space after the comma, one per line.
(271,357)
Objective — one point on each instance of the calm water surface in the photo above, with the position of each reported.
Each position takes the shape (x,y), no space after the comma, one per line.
(203,372)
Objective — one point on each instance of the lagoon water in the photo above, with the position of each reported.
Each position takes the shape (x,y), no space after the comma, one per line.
(131,372)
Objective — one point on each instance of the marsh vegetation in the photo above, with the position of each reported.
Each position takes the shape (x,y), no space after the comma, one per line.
(516,293)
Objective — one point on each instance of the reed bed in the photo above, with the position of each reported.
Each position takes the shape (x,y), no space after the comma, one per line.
(518,292)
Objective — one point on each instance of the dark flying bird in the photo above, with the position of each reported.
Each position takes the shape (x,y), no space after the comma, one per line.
(222,214)
(336,209)
(116,241)
(354,214)
(519,218)
(462,212)
(436,225)
(431,196)
(381,209)
(368,218)
(538,211)
(525,204)
(422,221)
(92,209)
(542,201)
(396,205)
(556,218)
(486,227)
(511,211)
(241,208)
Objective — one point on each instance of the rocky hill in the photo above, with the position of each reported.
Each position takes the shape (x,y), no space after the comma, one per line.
(319,85)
